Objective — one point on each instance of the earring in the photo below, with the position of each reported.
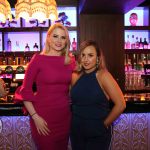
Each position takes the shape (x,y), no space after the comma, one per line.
(97,63)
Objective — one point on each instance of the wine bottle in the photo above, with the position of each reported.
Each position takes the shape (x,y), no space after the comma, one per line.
(145,44)
(140,44)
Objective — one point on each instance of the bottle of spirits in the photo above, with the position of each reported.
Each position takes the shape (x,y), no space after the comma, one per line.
(35,47)
(9,45)
(17,48)
(74,44)
(0,44)
(145,44)
(14,59)
(24,58)
(132,42)
(128,44)
(140,44)
(149,44)
(27,48)
(137,45)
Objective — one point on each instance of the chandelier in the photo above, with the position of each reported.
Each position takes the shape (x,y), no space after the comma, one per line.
(5,11)
(36,9)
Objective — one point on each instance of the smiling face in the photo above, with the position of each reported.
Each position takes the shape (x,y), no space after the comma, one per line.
(57,40)
(89,59)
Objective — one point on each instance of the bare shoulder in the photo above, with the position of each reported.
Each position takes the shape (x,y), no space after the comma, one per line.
(106,79)
(103,74)
(75,77)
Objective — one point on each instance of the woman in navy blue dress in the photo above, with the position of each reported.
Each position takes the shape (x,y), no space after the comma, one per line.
(92,89)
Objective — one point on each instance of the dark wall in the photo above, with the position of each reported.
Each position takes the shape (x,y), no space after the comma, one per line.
(108,31)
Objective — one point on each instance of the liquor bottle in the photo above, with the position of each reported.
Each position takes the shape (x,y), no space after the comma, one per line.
(145,44)
(128,44)
(24,58)
(35,47)
(137,45)
(27,48)
(149,44)
(140,44)
(0,44)
(132,42)
(4,59)
(74,44)
(9,45)
(17,47)
(14,59)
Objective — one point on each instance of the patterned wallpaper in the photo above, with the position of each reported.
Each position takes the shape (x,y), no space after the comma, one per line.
(130,132)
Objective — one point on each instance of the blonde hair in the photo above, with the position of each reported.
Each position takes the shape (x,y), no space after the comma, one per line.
(65,51)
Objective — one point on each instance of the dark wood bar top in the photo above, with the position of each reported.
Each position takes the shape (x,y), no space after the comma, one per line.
(137,107)
(11,109)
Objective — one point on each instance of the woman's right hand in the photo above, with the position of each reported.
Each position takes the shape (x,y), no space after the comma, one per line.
(41,125)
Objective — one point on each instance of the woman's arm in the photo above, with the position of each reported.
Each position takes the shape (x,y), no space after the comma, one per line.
(28,97)
(75,77)
(40,123)
(113,91)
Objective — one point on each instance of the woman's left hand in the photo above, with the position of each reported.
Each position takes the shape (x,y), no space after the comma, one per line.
(41,125)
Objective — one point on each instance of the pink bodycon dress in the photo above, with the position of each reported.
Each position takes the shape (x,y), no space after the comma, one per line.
(51,101)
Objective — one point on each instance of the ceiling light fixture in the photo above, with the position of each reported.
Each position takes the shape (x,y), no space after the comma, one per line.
(36,9)
(5,11)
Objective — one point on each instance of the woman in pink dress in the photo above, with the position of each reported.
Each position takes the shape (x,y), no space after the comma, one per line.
(49,107)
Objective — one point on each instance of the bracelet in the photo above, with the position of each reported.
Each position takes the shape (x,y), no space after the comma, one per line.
(33,114)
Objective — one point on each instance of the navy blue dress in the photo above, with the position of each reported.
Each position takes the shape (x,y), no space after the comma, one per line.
(90,107)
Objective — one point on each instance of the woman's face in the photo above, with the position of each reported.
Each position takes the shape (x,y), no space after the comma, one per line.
(57,40)
(88,59)
(133,19)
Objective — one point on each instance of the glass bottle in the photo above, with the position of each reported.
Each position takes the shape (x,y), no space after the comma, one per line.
(27,48)
(149,44)
(35,47)
(132,42)
(9,45)
(145,44)
(128,44)
(140,44)
(74,44)
(24,58)
(17,48)
(0,44)
(137,45)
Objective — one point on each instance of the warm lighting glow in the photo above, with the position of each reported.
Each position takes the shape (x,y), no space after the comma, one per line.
(5,11)
(23,9)
(36,9)
(142,98)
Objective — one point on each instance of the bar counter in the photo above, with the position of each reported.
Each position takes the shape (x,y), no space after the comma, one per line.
(11,109)
(131,131)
